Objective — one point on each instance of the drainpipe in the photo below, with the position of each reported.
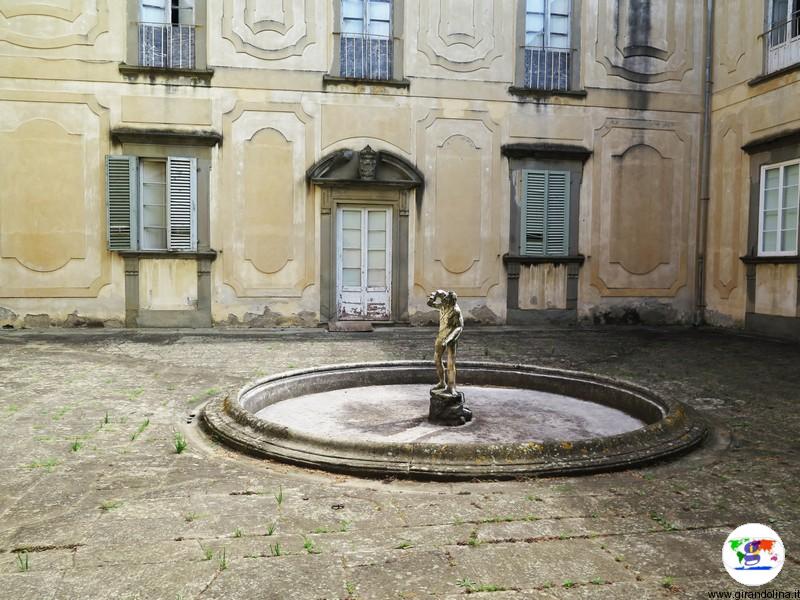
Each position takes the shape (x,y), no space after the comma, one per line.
(705,167)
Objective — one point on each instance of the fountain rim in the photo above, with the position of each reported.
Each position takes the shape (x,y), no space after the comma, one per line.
(678,429)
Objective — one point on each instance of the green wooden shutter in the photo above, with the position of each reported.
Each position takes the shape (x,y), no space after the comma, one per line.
(544,224)
(121,202)
(556,242)
(534,201)
(181,203)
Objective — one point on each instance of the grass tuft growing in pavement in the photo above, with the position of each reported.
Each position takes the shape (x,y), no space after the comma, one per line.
(662,520)
(140,429)
(180,442)
(76,445)
(279,495)
(223,560)
(309,546)
(22,562)
(46,464)
(108,505)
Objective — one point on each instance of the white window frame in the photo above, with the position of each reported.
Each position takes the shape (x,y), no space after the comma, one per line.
(140,201)
(366,20)
(547,29)
(787,17)
(762,190)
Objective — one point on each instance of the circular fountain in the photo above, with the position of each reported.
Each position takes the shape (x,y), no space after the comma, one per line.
(372,419)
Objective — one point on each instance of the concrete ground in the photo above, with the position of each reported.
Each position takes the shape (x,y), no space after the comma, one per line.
(96,503)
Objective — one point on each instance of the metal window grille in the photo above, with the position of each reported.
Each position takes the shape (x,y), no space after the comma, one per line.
(166,45)
(364,56)
(547,68)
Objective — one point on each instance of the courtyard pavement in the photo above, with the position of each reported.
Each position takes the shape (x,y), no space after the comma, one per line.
(96,503)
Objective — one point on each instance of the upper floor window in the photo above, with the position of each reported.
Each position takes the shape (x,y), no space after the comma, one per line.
(365,46)
(167,34)
(782,39)
(778,209)
(547,51)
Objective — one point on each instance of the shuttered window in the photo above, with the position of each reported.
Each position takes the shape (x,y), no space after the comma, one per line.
(120,202)
(181,186)
(152,203)
(544,227)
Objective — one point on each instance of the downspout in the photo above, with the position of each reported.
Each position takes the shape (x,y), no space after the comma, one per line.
(705,168)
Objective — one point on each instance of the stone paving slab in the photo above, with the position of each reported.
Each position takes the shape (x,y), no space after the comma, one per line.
(121,515)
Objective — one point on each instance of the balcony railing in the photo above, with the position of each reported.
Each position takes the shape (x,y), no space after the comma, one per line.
(547,68)
(365,56)
(166,46)
(782,44)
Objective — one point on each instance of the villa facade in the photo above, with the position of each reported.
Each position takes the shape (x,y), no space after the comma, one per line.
(187,163)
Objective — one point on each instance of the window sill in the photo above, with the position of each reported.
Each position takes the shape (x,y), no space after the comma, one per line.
(774,75)
(202,75)
(336,80)
(523,92)
(770,260)
(543,260)
(196,254)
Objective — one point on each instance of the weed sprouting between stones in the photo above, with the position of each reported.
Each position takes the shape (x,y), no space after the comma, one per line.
(275,549)
(237,533)
(46,464)
(208,553)
(140,429)
(271,527)
(180,442)
(309,546)
(662,520)
(223,560)
(279,495)
(22,562)
(76,445)
(108,505)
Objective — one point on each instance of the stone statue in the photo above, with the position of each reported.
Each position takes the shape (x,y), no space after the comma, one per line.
(447,404)
(367,163)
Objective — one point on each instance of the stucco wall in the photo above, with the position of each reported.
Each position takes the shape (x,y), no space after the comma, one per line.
(62,94)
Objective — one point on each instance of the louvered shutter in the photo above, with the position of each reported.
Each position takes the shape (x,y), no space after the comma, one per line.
(556,240)
(534,192)
(181,203)
(121,202)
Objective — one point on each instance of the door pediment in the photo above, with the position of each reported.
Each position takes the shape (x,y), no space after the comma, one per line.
(365,167)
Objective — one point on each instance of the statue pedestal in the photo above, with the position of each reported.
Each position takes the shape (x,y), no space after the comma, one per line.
(448,409)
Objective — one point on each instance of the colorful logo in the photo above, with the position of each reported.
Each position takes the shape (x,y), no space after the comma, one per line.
(753,554)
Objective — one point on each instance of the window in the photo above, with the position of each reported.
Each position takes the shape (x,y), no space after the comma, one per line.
(365,46)
(152,203)
(782,39)
(778,209)
(547,51)
(167,34)
(544,222)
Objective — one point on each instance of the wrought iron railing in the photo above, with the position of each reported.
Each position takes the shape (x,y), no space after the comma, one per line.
(167,46)
(782,44)
(363,56)
(547,68)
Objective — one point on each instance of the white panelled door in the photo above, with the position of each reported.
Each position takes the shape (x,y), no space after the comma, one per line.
(363,264)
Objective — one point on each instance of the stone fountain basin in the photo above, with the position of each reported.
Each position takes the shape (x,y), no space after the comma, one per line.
(296,417)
